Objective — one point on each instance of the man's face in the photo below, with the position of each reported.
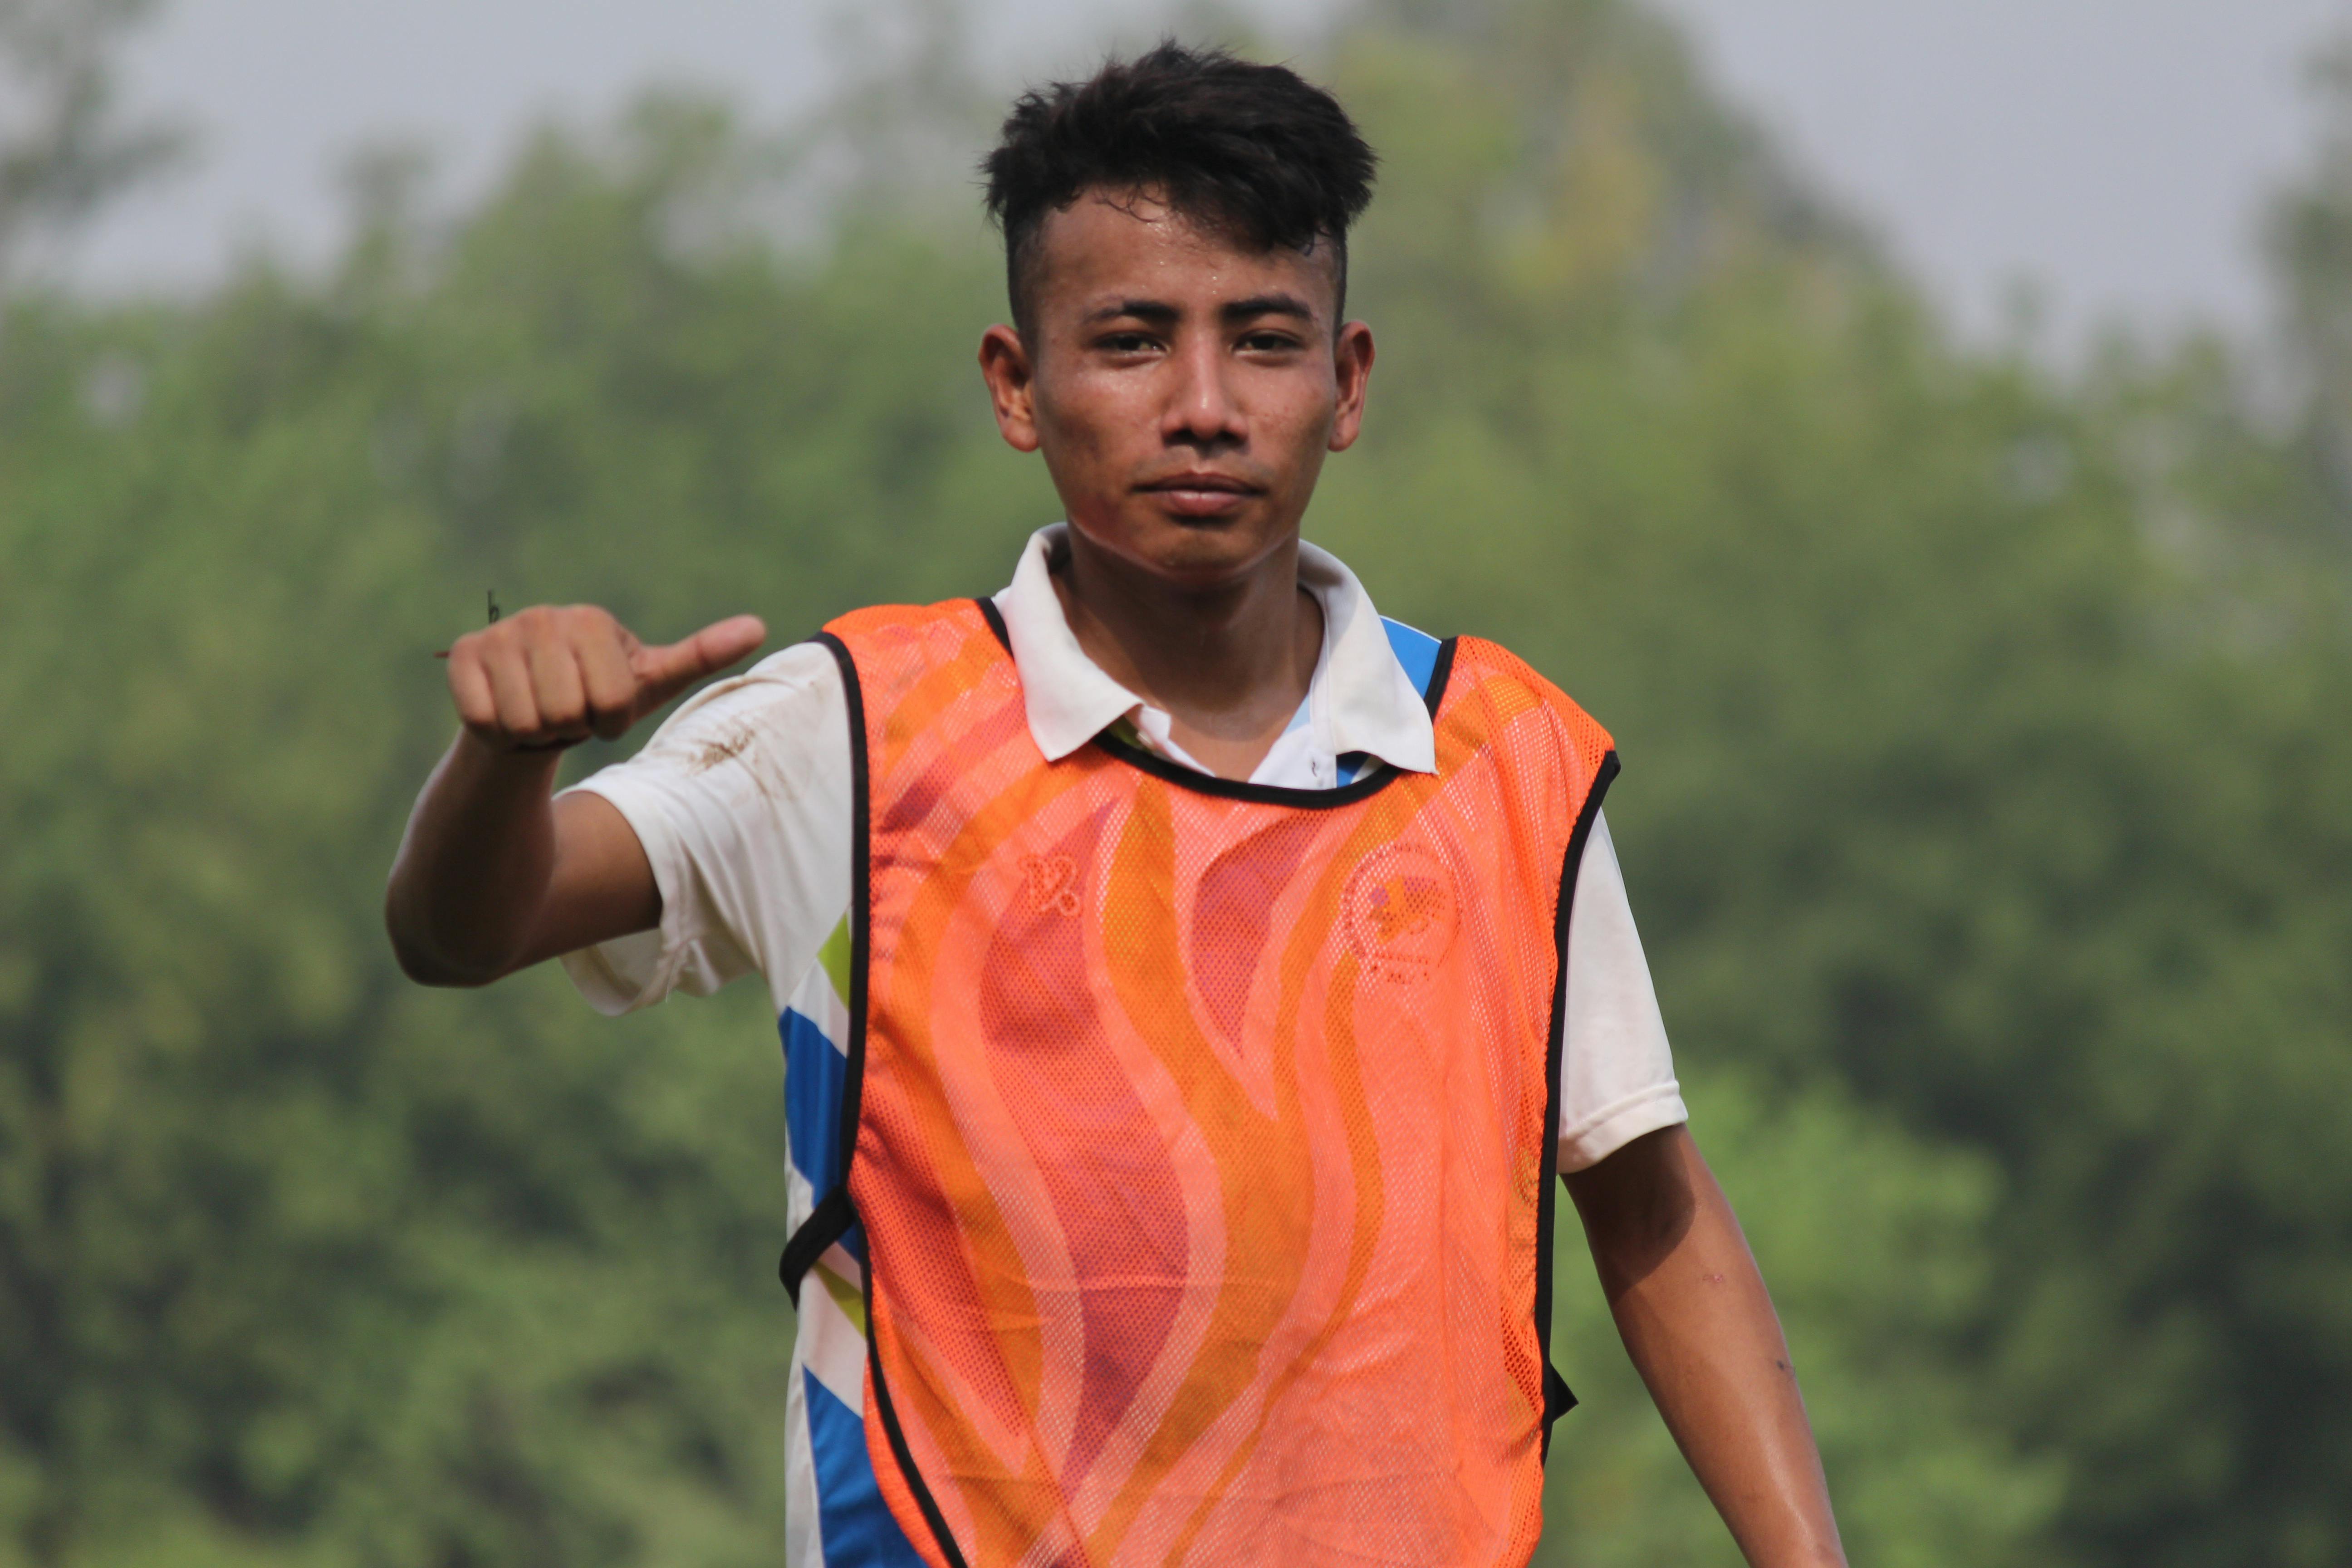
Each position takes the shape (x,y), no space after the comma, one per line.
(1183,391)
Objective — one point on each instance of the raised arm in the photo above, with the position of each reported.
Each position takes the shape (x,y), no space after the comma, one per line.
(1696,1317)
(493,874)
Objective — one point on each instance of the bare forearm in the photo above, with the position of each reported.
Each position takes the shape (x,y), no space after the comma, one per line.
(1699,1325)
(475,865)
(1703,1334)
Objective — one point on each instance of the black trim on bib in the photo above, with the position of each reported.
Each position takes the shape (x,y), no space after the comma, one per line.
(995,619)
(1557,1399)
(826,1224)
(1372,783)
(897,1435)
(861,878)
(835,1214)
(1199,782)
(1441,672)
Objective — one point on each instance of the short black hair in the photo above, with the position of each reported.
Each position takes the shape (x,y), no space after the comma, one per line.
(1253,152)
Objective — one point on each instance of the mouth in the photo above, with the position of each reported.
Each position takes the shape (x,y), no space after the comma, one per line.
(1202,494)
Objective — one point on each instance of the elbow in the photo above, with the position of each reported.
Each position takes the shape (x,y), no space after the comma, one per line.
(425,969)
(1639,1204)
(428,962)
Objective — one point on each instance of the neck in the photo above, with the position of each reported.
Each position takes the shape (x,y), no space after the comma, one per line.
(1228,664)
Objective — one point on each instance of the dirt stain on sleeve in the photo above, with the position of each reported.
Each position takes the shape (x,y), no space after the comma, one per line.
(723,748)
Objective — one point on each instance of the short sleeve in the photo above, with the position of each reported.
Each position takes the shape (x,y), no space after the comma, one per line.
(741,801)
(1616,1073)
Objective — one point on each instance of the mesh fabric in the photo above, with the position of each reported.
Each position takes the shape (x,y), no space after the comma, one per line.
(1201,1137)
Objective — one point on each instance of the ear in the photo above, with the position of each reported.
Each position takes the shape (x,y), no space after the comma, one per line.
(1012,386)
(1351,357)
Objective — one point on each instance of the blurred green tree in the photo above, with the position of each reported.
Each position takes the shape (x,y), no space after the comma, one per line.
(63,149)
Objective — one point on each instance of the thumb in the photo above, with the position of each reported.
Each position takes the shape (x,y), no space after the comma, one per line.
(664,672)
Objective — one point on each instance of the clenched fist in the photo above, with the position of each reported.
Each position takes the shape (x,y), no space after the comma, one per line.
(550,675)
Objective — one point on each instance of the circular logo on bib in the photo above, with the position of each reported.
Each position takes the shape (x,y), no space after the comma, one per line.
(1399,911)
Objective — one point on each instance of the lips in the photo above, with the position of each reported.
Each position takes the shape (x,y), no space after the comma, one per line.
(1201,494)
(1204,481)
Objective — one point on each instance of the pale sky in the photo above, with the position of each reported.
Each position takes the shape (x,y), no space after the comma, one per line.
(2114,152)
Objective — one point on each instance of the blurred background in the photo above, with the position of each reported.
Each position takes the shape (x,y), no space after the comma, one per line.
(1923,433)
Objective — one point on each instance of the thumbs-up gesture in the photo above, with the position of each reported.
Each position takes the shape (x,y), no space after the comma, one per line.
(550,675)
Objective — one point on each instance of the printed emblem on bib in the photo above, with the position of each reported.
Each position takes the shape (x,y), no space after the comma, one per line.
(1400,912)
(1053,883)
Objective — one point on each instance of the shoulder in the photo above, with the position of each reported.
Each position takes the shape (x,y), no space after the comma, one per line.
(879,625)
(894,651)
(1489,673)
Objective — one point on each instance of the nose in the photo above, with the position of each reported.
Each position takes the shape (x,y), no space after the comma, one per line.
(1202,410)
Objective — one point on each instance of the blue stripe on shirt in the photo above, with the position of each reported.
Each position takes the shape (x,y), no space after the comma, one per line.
(855,1527)
(1416,650)
(814,1074)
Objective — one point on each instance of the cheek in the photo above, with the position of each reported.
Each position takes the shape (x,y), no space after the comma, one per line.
(1084,412)
(1103,424)
(1300,422)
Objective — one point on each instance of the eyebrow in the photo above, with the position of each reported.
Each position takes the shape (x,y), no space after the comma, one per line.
(1267,305)
(1160,312)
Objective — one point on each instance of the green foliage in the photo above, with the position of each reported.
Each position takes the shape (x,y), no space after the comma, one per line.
(1877,1252)
(1985,812)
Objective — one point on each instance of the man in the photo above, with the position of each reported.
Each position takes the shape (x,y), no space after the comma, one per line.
(1189,981)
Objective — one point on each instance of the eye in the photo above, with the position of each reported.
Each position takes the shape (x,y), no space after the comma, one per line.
(1126,342)
(1268,340)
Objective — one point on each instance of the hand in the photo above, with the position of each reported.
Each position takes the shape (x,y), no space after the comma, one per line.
(546,677)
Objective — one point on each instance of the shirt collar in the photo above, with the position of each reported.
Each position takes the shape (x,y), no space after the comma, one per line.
(1360,698)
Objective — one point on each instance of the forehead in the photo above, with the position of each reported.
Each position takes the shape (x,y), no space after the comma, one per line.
(1110,245)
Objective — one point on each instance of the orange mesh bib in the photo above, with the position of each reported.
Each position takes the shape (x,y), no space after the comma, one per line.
(1203,1133)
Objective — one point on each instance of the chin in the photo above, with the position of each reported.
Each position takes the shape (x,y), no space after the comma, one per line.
(1191,551)
(1203,551)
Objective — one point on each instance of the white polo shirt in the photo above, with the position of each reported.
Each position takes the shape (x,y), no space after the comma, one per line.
(742,801)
